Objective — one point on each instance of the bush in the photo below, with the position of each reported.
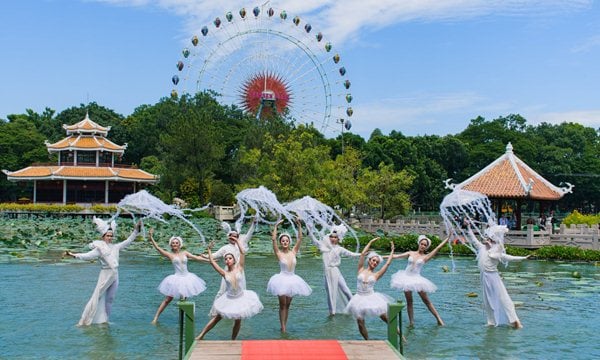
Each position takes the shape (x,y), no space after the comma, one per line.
(578,218)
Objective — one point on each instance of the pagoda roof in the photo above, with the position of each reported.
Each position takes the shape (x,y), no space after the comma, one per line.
(81,173)
(86,142)
(86,126)
(509,177)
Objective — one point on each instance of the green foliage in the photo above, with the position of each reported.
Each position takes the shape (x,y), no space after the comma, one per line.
(221,150)
(107,209)
(569,253)
(576,218)
(47,208)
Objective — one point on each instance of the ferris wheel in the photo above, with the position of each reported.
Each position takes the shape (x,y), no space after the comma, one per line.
(266,63)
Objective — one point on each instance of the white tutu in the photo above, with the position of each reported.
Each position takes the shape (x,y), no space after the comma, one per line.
(182,285)
(288,284)
(244,305)
(411,281)
(372,304)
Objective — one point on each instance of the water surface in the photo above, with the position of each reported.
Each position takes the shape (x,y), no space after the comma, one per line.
(42,301)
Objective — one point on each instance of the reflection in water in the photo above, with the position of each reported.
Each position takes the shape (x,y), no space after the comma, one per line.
(42,302)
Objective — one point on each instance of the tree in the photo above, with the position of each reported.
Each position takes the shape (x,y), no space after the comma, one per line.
(291,167)
(192,146)
(21,144)
(386,190)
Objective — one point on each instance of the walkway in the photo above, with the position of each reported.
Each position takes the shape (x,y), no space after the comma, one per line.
(293,349)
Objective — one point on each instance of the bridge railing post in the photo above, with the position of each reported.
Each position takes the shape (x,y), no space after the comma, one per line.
(186,327)
(394,332)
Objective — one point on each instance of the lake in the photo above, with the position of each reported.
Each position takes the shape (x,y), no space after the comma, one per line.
(43,300)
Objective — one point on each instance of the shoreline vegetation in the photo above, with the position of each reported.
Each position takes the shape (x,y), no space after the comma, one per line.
(47,232)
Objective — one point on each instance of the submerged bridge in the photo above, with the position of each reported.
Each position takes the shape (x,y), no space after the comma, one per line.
(192,349)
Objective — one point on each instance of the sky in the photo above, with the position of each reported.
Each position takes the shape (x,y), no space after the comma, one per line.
(420,67)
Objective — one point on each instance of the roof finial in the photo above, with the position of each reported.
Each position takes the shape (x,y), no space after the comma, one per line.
(509,148)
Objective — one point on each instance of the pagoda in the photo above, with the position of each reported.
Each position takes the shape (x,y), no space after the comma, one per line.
(509,178)
(86,171)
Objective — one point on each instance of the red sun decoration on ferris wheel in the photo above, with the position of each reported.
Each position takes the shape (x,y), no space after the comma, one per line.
(265,94)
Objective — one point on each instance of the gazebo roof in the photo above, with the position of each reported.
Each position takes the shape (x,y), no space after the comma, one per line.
(86,126)
(89,143)
(81,173)
(509,177)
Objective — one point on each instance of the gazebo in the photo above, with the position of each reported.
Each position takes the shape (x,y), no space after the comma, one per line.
(509,178)
(86,171)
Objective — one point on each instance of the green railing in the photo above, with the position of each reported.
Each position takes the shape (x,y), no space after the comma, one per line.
(394,332)
(186,328)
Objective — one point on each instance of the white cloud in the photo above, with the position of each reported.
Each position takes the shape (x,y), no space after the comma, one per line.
(589,118)
(344,20)
(587,45)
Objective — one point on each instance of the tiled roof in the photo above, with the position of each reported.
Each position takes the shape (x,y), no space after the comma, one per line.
(80,142)
(86,126)
(80,173)
(509,177)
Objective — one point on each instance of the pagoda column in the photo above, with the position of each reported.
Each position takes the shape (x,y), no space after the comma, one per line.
(106,191)
(64,192)
(34,191)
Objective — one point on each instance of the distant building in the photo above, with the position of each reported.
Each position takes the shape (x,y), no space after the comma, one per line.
(86,171)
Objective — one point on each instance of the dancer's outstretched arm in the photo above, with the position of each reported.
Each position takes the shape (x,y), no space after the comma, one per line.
(361,259)
(162,251)
(435,251)
(213,262)
(299,238)
(382,271)
(274,238)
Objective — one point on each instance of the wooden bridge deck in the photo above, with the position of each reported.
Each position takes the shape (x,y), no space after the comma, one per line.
(354,349)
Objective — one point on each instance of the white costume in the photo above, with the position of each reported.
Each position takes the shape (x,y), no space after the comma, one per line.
(366,302)
(182,284)
(235,251)
(410,279)
(99,306)
(338,293)
(497,303)
(287,282)
(237,302)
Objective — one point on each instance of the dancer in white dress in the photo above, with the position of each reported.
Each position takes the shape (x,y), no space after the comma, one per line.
(231,248)
(410,279)
(499,308)
(366,302)
(98,308)
(236,303)
(183,284)
(286,284)
(338,293)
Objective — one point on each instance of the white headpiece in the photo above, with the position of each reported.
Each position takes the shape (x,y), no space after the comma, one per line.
(178,238)
(496,233)
(372,254)
(423,237)
(340,230)
(284,234)
(104,226)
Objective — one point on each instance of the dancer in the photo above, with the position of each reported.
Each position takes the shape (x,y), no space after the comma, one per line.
(286,284)
(337,291)
(366,302)
(410,279)
(497,303)
(235,243)
(98,308)
(182,284)
(236,303)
